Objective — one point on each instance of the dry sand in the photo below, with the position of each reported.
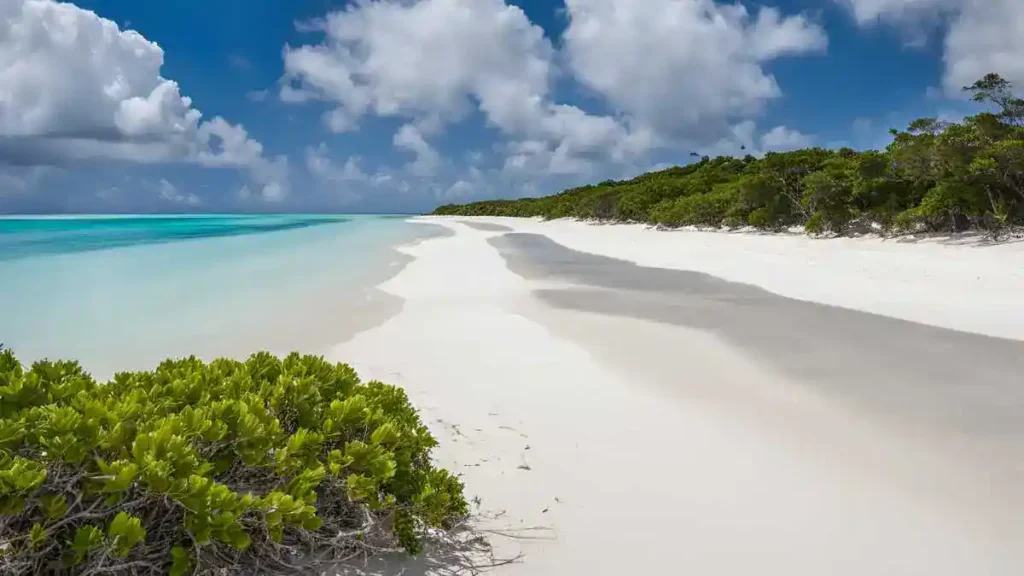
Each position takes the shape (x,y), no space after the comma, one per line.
(626,420)
(961,284)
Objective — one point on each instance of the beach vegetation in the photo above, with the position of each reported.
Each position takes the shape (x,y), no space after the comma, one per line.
(935,176)
(267,465)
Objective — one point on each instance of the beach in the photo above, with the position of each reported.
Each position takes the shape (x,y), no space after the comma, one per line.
(616,399)
(628,401)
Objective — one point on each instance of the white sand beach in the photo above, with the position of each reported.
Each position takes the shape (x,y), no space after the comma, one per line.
(603,438)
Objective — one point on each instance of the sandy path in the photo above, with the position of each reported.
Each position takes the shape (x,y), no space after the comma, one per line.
(742,474)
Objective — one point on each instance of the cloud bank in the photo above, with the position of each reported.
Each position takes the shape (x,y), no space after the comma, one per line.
(75,87)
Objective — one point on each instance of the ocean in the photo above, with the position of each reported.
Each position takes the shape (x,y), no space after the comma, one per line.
(123,292)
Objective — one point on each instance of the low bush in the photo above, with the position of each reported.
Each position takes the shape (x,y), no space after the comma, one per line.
(222,467)
(699,209)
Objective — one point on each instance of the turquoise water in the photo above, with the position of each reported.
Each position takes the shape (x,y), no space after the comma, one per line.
(124,292)
(27,237)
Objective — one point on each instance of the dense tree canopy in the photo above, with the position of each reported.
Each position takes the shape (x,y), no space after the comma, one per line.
(934,176)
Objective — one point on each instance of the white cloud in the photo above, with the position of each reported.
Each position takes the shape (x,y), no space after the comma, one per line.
(987,37)
(744,139)
(222,144)
(683,67)
(983,35)
(170,193)
(348,179)
(427,160)
(322,167)
(74,86)
(413,59)
(773,35)
(67,72)
(435,61)
(459,189)
(782,139)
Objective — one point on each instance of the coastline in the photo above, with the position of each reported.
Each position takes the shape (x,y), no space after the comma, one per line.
(357,308)
(608,443)
(128,308)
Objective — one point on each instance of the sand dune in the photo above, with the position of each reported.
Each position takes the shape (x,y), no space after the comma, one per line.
(622,421)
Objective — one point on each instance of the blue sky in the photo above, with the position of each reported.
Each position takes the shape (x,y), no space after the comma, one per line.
(398,106)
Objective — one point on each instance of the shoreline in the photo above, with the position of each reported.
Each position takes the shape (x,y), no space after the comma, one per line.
(555,416)
(259,296)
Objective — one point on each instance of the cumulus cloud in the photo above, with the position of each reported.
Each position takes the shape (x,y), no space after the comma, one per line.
(322,167)
(409,137)
(222,144)
(411,59)
(74,86)
(987,37)
(170,193)
(743,139)
(436,61)
(782,139)
(983,35)
(683,67)
(347,178)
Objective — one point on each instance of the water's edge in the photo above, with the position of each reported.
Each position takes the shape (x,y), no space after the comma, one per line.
(130,307)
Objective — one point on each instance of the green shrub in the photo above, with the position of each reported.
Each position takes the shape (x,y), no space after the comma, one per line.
(201,468)
(700,209)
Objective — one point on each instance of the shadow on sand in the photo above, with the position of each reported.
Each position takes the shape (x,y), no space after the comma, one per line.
(463,552)
(892,368)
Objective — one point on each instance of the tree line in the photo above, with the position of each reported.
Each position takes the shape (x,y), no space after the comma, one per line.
(935,176)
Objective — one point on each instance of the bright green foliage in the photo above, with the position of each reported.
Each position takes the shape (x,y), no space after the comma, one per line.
(37,536)
(195,467)
(125,533)
(181,562)
(934,176)
(87,539)
(19,478)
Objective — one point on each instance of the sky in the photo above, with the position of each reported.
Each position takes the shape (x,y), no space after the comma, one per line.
(397,106)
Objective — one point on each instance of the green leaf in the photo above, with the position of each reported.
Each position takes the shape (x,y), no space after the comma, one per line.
(54,506)
(312,523)
(181,562)
(87,538)
(361,488)
(387,433)
(238,538)
(127,532)
(124,474)
(37,536)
